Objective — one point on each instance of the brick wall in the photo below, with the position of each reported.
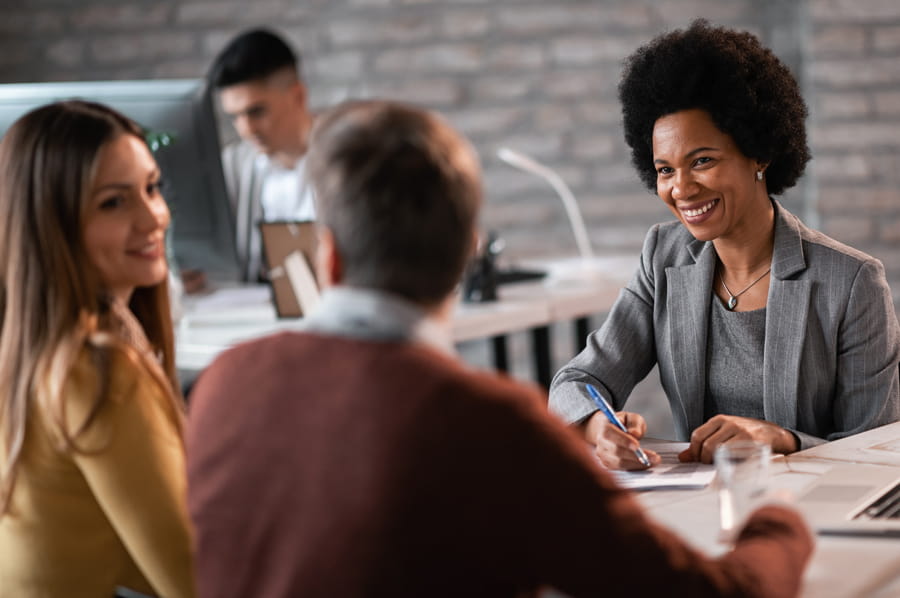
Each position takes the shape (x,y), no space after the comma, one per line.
(853,82)
(538,76)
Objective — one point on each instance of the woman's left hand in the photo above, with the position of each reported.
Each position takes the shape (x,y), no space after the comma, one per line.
(722,429)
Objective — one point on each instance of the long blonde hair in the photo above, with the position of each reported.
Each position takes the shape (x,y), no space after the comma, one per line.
(51,303)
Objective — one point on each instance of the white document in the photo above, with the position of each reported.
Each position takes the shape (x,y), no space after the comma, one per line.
(671,474)
(302,281)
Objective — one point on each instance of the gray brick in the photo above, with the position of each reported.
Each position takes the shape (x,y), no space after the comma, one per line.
(599,112)
(856,73)
(107,16)
(856,136)
(872,200)
(886,39)
(848,229)
(369,3)
(30,22)
(588,50)
(877,11)
(11,58)
(622,206)
(524,211)
(143,47)
(616,175)
(839,40)
(444,58)
(432,92)
(885,167)
(594,147)
(390,31)
(556,116)
(503,182)
(887,103)
(499,88)
(239,14)
(179,69)
(568,84)
(889,231)
(843,105)
(509,57)
(532,20)
(341,65)
(843,168)
(66,52)
(475,122)
(466,23)
(542,148)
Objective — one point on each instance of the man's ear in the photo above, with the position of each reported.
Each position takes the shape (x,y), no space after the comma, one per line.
(329,266)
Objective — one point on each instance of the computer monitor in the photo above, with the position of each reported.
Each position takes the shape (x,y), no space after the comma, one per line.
(179,116)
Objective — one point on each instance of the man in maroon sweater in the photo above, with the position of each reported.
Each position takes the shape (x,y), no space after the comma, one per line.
(361,458)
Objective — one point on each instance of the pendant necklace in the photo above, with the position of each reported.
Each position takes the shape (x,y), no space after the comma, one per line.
(733,297)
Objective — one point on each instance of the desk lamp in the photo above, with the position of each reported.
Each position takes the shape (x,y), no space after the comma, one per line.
(522,162)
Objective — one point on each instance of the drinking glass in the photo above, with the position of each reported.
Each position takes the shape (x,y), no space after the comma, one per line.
(742,480)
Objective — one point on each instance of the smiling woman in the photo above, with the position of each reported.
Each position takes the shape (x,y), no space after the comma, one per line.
(92,481)
(762,329)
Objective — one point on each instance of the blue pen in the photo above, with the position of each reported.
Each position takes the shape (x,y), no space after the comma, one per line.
(603,406)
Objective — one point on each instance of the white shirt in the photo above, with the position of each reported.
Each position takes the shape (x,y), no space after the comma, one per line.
(286,193)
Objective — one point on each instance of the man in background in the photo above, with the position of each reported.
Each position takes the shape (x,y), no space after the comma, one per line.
(361,457)
(257,79)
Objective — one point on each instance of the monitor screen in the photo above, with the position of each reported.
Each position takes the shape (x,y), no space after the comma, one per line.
(180,120)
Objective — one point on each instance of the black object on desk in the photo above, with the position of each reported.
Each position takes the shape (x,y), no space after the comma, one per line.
(483,277)
(480,285)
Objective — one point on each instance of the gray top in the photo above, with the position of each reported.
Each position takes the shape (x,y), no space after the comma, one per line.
(734,362)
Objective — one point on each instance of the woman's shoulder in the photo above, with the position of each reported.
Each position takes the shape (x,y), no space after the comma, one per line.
(111,365)
(818,245)
(102,378)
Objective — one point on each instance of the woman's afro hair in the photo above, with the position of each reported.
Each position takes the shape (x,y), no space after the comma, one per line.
(748,92)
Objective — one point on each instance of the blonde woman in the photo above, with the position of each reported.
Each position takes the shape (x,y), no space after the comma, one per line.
(92,482)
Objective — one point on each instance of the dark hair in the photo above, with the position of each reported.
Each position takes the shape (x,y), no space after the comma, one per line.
(252,55)
(400,191)
(747,91)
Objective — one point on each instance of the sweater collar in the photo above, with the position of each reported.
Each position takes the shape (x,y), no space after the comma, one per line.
(376,315)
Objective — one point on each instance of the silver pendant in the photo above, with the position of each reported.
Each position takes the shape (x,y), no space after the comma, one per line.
(732,303)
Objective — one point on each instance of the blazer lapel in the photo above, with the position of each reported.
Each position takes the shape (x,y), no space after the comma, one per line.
(687,305)
(786,316)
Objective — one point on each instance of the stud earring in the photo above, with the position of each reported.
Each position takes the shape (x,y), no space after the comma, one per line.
(759,175)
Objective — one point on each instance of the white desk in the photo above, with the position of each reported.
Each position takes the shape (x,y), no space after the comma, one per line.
(841,567)
(572,290)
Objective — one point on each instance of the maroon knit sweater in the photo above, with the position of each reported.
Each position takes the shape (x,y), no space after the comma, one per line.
(331,467)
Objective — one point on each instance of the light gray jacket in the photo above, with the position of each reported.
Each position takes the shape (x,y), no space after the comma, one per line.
(244,184)
(832,344)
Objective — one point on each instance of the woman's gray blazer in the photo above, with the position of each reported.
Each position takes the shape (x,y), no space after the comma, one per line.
(832,339)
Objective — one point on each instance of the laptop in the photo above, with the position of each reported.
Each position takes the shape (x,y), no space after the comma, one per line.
(854,500)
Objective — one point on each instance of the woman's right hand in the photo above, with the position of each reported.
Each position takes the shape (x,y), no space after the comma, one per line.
(615,448)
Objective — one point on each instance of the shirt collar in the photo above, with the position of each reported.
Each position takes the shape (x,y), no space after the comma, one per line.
(376,315)
(264,163)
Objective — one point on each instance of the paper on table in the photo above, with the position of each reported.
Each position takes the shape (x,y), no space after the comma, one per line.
(670,474)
